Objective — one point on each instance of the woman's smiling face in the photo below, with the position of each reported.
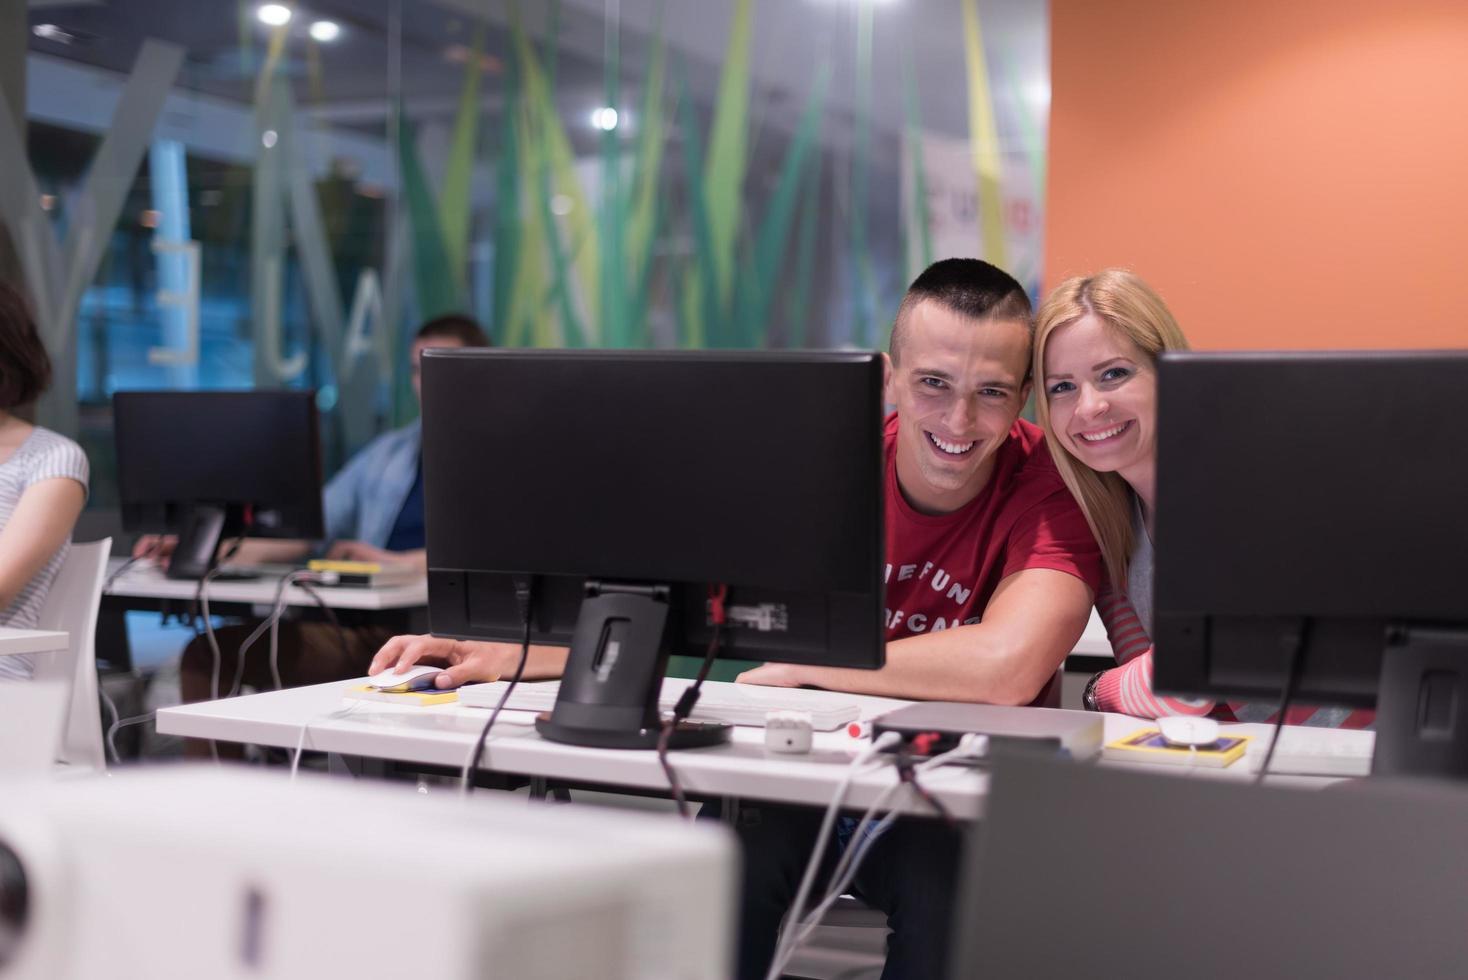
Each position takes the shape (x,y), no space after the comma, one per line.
(1101,390)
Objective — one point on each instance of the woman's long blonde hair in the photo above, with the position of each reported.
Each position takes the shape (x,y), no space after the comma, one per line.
(1130,307)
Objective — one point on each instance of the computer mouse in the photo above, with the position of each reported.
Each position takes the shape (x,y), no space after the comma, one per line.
(1188,730)
(419,678)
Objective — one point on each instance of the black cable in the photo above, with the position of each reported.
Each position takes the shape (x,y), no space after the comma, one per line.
(524,594)
(1292,680)
(718,596)
(121,570)
(907,774)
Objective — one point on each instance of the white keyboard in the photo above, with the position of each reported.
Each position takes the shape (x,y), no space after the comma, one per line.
(733,704)
(1320,752)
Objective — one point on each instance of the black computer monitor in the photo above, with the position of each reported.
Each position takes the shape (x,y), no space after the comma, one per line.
(212,464)
(624,484)
(1320,497)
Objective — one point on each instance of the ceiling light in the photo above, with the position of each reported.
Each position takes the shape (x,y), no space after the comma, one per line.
(604,118)
(325,31)
(274,14)
(50,32)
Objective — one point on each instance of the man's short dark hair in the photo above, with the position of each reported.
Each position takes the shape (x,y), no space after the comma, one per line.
(25,368)
(465,329)
(969,287)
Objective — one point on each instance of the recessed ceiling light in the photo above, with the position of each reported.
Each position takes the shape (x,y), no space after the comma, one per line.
(604,118)
(273,14)
(325,31)
(50,32)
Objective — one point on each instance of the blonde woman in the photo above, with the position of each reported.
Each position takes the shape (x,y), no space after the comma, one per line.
(1096,344)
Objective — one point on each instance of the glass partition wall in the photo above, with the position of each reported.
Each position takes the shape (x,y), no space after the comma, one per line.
(217,194)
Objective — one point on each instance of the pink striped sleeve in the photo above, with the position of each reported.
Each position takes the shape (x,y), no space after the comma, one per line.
(1128,687)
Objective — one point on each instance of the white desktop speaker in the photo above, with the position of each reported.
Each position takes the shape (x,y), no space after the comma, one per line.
(204,872)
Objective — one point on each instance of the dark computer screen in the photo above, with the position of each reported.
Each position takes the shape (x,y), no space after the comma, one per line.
(218,464)
(1327,488)
(663,470)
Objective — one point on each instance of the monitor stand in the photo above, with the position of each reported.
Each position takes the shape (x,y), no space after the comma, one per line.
(1422,705)
(614,673)
(198,542)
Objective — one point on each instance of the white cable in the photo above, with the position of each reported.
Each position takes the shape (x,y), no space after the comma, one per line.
(280,605)
(861,841)
(798,930)
(112,726)
(277,609)
(213,648)
(239,663)
(209,632)
(879,743)
(120,724)
(301,741)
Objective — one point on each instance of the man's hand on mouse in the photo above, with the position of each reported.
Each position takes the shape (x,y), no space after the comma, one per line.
(467,662)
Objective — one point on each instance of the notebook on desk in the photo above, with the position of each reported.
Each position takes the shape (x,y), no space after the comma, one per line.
(733,704)
(364,574)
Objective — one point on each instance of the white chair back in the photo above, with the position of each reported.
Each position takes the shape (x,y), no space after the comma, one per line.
(71,605)
(31,717)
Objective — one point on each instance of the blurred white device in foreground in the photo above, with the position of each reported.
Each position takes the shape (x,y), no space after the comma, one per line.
(192,872)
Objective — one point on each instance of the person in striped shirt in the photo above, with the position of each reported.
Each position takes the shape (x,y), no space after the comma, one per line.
(1096,344)
(43,481)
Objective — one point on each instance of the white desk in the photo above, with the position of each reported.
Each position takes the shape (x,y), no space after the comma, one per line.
(442,735)
(13,642)
(1093,641)
(148,582)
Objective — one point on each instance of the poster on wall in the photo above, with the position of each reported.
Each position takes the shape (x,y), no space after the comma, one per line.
(950,207)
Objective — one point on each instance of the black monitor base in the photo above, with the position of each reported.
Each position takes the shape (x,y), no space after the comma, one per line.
(608,696)
(688,735)
(198,542)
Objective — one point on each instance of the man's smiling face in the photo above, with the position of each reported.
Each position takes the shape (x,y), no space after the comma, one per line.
(958,384)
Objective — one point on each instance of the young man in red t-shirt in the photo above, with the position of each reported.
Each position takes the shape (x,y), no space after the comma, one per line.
(991,571)
(991,568)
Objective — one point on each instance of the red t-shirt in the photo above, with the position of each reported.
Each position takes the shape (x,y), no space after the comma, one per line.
(942,569)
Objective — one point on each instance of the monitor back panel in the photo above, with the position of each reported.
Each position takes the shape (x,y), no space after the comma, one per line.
(1331,485)
(759,470)
(261,448)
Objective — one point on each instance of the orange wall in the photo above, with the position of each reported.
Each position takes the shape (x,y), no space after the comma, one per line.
(1287,173)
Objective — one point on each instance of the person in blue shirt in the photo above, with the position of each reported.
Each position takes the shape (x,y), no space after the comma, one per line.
(373,510)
